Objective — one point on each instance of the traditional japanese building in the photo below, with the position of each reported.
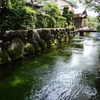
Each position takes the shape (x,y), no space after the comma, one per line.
(35,4)
(80,18)
(79,14)
(63,3)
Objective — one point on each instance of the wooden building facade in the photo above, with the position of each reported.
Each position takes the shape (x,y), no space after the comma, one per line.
(79,19)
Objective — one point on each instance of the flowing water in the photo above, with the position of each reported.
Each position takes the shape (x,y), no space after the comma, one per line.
(67,73)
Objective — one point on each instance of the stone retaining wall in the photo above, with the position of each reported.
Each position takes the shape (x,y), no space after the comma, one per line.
(18,43)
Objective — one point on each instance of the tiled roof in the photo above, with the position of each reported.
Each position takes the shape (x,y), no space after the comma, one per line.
(71,3)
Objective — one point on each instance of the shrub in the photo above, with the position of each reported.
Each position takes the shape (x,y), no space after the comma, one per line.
(69,14)
(60,21)
(44,21)
(71,28)
(98,27)
(28,18)
(52,9)
(15,15)
(23,19)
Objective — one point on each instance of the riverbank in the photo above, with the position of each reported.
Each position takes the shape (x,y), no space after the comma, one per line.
(16,44)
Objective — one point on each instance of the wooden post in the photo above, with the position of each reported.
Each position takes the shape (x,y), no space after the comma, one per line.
(81,33)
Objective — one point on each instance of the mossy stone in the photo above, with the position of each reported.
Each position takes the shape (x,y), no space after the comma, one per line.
(37,47)
(4,57)
(45,34)
(23,35)
(49,43)
(43,45)
(29,49)
(16,49)
(0,56)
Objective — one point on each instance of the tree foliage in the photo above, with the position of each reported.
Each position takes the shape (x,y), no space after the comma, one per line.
(98,27)
(60,21)
(44,21)
(68,14)
(52,9)
(91,21)
(93,4)
(15,15)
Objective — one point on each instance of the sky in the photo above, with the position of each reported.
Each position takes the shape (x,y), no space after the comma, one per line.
(89,12)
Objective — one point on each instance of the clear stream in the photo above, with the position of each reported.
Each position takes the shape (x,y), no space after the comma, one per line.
(66,73)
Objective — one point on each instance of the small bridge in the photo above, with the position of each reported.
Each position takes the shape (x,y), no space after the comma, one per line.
(82,31)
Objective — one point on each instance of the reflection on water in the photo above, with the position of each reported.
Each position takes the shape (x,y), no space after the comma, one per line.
(68,73)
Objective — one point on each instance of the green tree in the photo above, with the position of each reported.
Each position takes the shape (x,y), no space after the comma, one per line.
(68,14)
(98,28)
(91,21)
(5,11)
(52,9)
(92,4)
(15,15)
